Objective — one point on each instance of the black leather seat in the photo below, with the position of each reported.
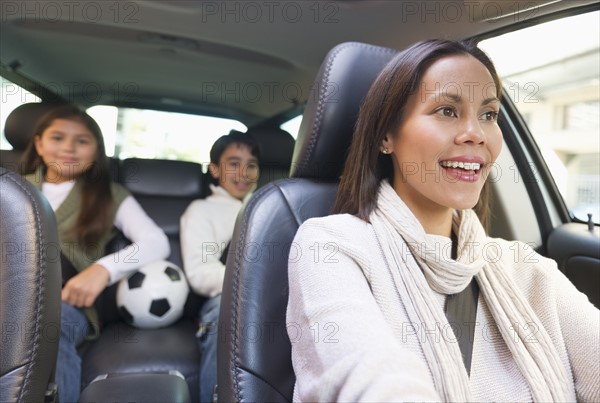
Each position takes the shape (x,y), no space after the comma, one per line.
(254,351)
(164,188)
(30,282)
(18,131)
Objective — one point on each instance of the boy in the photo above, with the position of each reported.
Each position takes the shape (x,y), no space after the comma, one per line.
(206,230)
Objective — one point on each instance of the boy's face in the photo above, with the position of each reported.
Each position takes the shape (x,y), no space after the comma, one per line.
(237,171)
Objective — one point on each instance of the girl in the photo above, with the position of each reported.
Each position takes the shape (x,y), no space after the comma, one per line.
(409,246)
(66,160)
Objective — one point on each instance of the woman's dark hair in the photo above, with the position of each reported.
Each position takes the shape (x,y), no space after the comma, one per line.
(96,196)
(381,113)
(234,137)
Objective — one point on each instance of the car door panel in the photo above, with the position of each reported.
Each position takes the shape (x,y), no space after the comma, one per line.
(576,249)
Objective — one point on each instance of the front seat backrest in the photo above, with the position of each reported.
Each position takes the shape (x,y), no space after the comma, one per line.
(30,283)
(254,351)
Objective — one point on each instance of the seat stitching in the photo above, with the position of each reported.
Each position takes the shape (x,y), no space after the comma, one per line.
(321,103)
(238,253)
(39,297)
(261,378)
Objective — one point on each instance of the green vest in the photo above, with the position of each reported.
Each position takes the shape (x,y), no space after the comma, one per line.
(79,255)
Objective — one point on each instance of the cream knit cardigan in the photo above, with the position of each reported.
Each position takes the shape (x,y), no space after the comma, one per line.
(352,339)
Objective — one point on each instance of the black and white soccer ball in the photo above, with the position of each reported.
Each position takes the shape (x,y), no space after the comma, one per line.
(153,296)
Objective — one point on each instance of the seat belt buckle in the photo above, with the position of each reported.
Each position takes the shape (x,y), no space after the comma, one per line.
(51,395)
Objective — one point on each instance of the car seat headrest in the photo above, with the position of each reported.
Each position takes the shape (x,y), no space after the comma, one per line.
(154,177)
(21,122)
(326,130)
(276,146)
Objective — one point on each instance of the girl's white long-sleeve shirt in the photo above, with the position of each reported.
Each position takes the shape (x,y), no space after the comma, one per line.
(148,242)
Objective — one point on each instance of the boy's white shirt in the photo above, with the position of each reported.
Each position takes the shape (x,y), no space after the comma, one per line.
(206,229)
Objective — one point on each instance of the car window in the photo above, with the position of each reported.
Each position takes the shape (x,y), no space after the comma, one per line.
(130,132)
(292,126)
(12,96)
(553,78)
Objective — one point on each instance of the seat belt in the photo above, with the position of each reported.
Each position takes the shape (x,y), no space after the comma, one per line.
(461,311)
(68,269)
(224,254)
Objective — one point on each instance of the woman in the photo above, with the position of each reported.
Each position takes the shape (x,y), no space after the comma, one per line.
(407,243)
(67,162)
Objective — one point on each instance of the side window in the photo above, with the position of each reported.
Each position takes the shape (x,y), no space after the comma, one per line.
(553,77)
(292,126)
(12,97)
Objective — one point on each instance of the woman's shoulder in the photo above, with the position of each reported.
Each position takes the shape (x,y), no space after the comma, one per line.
(336,221)
(345,234)
(521,261)
(336,227)
(516,252)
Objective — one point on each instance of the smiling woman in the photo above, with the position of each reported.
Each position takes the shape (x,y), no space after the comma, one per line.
(412,251)
(458,125)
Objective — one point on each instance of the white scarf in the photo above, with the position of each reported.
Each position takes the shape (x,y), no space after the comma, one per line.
(417,271)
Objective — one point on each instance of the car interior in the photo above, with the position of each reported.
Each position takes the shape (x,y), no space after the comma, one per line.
(262,64)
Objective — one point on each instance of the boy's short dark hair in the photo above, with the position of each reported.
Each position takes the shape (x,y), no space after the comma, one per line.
(234,137)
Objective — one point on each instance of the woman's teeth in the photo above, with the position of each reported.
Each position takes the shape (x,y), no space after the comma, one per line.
(469,166)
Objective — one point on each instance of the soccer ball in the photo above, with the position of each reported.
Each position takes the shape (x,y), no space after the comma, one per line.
(153,296)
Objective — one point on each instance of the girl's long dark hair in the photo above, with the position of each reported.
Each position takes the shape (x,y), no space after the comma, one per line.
(96,197)
(381,113)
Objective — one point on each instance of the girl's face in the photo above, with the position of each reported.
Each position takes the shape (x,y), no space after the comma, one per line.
(448,138)
(237,171)
(68,148)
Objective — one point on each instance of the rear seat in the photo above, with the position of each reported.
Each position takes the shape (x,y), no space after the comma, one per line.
(159,183)
(164,188)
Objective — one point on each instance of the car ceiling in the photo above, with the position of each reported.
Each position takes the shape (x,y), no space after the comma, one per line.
(245,60)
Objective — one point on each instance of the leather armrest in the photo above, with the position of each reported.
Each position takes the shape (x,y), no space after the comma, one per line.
(137,387)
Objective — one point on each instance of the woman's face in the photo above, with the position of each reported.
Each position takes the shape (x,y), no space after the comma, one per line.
(68,148)
(237,171)
(448,138)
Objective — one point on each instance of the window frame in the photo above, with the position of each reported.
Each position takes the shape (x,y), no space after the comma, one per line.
(548,203)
